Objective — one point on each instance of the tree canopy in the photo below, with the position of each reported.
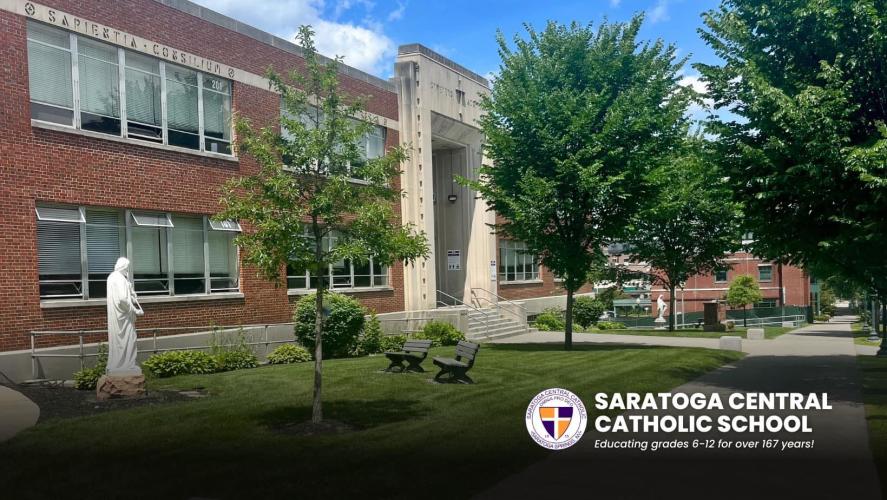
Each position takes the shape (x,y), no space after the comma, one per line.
(689,226)
(576,120)
(808,154)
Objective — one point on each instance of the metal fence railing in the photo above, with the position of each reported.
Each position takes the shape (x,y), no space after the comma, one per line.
(143,334)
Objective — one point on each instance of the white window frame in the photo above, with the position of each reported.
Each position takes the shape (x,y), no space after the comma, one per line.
(384,272)
(121,69)
(130,222)
(510,251)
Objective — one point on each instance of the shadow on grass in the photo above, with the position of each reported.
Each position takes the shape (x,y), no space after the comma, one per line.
(359,414)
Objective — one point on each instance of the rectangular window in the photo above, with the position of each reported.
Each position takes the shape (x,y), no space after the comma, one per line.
(766,303)
(765,272)
(58,248)
(144,115)
(515,264)
(216,114)
(123,93)
(171,254)
(345,273)
(99,87)
(720,276)
(50,75)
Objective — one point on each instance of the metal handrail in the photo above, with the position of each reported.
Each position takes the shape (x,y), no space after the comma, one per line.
(522,317)
(154,349)
(499,297)
(460,302)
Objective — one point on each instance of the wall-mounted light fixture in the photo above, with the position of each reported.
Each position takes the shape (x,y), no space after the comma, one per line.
(452,198)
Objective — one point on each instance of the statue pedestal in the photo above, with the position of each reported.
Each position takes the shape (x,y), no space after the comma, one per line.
(116,385)
(660,319)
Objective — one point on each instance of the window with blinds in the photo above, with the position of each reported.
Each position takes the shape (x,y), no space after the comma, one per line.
(99,77)
(80,82)
(51,81)
(170,254)
(515,263)
(345,273)
(144,116)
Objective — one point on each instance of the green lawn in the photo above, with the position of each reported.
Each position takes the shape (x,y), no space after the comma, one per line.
(874,382)
(860,337)
(415,438)
(770,332)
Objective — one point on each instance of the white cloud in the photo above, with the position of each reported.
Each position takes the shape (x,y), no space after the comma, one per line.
(615,3)
(364,45)
(697,111)
(659,12)
(397,14)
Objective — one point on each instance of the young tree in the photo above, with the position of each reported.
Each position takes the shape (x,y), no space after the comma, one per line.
(303,195)
(743,291)
(807,157)
(689,226)
(575,121)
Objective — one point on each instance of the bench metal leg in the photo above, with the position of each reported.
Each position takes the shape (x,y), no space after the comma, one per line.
(455,375)
(396,364)
(415,365)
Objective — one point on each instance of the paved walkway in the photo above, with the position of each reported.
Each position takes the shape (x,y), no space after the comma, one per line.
(17,413)
(815,359)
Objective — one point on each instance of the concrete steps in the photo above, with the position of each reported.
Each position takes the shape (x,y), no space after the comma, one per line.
(489,325)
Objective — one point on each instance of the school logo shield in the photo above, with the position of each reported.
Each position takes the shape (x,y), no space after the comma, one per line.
(556,419)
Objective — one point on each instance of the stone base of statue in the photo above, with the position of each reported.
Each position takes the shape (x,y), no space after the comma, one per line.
(660,319)
(120,385)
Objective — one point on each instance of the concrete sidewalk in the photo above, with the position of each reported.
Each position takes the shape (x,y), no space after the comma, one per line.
(17,413)
(820,358)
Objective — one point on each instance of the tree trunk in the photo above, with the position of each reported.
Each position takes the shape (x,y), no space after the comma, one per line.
(317,405)
(745,316)
(671,312)
(568,328)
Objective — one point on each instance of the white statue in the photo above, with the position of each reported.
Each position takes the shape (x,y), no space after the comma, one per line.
(661,307)
(123,307)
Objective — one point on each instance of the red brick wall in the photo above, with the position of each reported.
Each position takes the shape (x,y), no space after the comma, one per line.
(44,165)
(704,288)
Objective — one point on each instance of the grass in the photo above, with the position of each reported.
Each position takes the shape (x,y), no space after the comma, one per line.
(860,337)
(874,390)
(413,437)
(770,332)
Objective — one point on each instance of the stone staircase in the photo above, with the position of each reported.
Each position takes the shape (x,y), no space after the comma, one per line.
(488,324)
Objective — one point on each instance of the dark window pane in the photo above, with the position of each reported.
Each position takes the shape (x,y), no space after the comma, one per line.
(52,114)
(215,146)
(144,132)
(184,140)
(189,285)
(101,124)
(98,286)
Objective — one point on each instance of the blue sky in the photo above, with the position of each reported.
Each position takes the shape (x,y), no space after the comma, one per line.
(367,32)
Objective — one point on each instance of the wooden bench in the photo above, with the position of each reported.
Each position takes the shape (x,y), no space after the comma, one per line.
(458,367)
(413,352)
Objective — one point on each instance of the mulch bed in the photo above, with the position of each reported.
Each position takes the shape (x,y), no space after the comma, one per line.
(56,401)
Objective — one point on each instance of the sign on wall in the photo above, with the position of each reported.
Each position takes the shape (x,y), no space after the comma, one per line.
(454,260)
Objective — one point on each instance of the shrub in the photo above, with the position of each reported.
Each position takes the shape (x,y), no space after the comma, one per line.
(235,360)
(587,311)
(610,325)
(171,363)
(341,328)
(87,378)
(550,319)
(392,343)
(441,333)
(231,351)
(822,317)
(730,325)
(288,353)
(370,341)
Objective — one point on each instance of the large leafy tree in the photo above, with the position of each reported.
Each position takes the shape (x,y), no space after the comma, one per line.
(807,155)
(304,194)
(576,120)
(690,224)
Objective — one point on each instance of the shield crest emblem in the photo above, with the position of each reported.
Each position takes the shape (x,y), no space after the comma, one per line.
(556,419)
